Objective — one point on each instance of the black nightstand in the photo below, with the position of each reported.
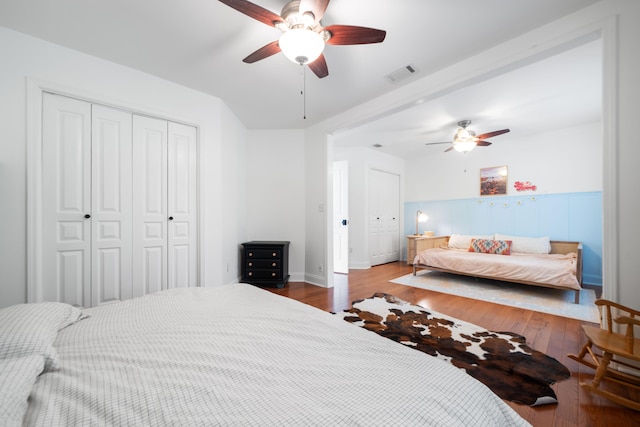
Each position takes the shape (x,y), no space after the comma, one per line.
(265,263)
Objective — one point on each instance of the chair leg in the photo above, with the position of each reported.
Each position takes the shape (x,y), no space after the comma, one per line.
(602,369)
(583,352)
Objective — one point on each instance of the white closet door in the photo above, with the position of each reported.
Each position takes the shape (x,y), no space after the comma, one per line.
(384,221)
(149,205)
(391,224)
(111,205)
(182,210)
(375,219)
(66,195)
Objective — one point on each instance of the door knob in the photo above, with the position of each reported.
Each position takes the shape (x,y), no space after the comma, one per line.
(170,218)
(344,222)
(87,216)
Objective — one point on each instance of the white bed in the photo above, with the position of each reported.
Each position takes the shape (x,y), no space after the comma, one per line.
(240,355)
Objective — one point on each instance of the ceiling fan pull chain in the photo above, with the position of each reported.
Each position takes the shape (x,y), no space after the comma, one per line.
(303,92)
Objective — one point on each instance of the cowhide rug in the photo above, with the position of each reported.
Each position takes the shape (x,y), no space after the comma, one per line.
(501,360)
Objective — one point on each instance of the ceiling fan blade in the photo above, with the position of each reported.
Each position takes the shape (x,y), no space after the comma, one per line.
(437,143)
(254,11)
(449,149)
(482,143)
(264,52)
(349,34)
(317,7)
(492,134)
(319,67)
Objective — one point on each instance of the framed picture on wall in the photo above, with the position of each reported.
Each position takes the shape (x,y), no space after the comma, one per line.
(493,181)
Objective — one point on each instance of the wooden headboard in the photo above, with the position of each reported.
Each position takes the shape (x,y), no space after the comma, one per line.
(562,247)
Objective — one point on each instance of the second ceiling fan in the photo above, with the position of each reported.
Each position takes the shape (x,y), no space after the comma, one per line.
(300,24)
(466,140)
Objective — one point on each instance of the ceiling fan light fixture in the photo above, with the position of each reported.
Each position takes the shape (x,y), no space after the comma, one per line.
(301,45)
(464,140)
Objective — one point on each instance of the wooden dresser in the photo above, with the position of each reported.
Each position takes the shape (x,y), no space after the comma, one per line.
(265,263)
(416,244)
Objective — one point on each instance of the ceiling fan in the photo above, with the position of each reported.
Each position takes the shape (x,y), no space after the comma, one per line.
(466,140)
(303,36)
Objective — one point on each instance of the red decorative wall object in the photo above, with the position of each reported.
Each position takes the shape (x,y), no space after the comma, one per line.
(523,186)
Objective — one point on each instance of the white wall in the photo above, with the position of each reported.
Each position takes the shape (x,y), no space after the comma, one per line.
(361,162)
(560,161)
(95,79)
(275,192)
(233,204)
(627,176)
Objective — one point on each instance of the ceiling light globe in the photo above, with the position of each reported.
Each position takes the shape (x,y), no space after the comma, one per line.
(301,46)
(464,146)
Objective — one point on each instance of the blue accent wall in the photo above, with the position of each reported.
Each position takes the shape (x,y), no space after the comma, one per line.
(569,216)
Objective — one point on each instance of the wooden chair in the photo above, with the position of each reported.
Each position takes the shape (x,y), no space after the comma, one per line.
(610,346)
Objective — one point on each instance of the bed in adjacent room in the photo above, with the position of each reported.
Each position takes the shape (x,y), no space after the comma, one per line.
(232,355)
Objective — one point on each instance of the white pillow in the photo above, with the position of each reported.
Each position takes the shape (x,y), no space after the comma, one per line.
(527,245)
(28,329)
(18,376)
(463,241)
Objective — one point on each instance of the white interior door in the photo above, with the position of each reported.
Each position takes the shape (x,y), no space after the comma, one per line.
(111,205)
(182,207)
(66,200)
(149,205)
(341,217)
(384,220)
(391,219)
(375,216)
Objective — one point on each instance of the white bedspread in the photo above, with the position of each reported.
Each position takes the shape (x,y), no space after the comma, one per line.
(556,270)
(239,355)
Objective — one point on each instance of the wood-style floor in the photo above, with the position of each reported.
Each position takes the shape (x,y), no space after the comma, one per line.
(553,335)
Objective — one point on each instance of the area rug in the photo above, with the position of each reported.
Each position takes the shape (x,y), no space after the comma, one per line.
(501,360)
(545,300)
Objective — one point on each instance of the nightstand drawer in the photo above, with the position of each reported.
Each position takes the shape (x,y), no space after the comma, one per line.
(257,274)
(259,253)
(263,263)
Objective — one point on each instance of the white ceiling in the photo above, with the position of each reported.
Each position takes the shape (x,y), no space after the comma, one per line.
(200,44)
(564,90)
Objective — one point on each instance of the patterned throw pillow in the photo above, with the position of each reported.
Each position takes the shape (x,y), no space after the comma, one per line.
(498,247)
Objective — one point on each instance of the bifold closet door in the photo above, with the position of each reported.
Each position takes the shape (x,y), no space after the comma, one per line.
(149,205)
(182,207)
(86,203)
(111,227)
(165,205)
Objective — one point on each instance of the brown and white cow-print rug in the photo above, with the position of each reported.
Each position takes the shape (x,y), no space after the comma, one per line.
(501,360)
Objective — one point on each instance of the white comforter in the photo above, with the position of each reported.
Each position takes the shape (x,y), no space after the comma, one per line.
(555,270)
(239,355)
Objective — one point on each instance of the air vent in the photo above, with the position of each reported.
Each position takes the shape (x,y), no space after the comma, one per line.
(377,145)
(401,73)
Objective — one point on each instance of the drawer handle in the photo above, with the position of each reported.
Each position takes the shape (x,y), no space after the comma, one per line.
(250,264)
(250,254)
(251,273)
(273,264)
(273,274)
(273,254)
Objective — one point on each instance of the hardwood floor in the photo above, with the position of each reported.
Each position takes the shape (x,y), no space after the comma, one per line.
(553,335)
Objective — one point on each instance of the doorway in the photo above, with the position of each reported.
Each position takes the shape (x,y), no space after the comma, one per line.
(341,217)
